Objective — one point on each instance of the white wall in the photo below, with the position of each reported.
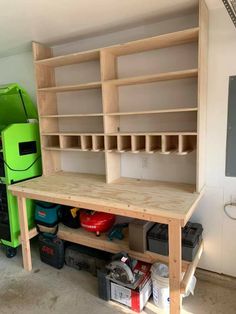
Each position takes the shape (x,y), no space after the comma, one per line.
(219,231)
(19,69)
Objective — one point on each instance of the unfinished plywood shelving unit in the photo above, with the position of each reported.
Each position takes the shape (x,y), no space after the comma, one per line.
(168,131)
(168,136)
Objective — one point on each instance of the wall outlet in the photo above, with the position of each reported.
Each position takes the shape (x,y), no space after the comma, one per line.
(144,162)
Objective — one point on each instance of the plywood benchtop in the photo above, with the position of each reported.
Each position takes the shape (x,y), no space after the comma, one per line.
(143,199)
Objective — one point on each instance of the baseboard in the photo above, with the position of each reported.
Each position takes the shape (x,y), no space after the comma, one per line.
(215,278)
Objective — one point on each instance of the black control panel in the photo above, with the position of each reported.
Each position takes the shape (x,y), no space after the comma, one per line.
(27,148)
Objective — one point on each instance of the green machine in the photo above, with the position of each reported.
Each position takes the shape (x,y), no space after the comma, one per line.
(20,159)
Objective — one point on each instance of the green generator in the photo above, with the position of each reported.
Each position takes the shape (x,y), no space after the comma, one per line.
(20,159)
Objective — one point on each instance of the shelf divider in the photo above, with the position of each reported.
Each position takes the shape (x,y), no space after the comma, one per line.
(51,161)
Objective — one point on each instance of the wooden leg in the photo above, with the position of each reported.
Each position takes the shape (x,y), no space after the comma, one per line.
(25,239)
(175,265)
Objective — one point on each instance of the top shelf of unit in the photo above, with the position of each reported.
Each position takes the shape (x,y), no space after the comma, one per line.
(156,42)
(78,57)
(152,43)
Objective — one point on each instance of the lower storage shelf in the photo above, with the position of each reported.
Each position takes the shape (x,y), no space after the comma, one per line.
(80,236)
(83,237)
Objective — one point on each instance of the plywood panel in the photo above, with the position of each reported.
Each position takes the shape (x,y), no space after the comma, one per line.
(45,77)
(202,93)
(144,199)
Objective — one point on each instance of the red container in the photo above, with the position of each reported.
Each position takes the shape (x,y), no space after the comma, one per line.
(97,222)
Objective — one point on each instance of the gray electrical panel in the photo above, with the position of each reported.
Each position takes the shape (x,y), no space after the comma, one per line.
(231,130)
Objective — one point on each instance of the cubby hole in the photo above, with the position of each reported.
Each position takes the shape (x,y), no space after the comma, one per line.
(86,142)
(138,143)
(153,144)
(187,144)
(124,143)
(170,144)
(111,143)
(71,142)
(98,143)
(51,141)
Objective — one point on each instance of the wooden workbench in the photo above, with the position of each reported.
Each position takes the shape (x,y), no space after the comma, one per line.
(170,203)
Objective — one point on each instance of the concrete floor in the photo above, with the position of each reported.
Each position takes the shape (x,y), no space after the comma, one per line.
(48,290)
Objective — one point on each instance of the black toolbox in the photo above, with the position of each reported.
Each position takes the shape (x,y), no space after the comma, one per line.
(81,257)
(191,240)
(51,250)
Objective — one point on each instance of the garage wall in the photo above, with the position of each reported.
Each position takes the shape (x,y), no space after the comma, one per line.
(19,69)
(220,232)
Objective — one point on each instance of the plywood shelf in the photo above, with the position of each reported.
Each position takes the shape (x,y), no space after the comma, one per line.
(70,88)
(120,133)
(76,115)
(172,110)
(146,44)
(70,58)
(80,236)
(70,133)
(73,149)
(145,79)
(152,133)
(156,42)
(164,143)
(130,113)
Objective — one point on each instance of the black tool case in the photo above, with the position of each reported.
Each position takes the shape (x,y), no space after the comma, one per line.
(51,250)
(191,240)
(84,258)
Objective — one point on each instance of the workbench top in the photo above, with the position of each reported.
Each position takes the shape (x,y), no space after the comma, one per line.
(143,199)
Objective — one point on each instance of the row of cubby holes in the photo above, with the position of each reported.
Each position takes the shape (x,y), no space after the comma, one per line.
(181,144)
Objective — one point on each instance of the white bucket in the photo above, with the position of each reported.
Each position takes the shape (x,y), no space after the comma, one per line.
(160,281)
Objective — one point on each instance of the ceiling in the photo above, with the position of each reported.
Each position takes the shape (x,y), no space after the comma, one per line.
(51,21)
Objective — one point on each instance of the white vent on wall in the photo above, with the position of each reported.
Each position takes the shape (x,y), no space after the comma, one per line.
(231,8)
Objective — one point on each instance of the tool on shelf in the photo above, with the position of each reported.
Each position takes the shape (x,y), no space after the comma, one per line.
(116,231)
(97,222)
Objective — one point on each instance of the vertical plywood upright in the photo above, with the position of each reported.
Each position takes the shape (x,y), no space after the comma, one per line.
(110,98)
(47,104)
(202,94)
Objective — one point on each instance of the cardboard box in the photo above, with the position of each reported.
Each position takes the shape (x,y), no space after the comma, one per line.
(134,299)
(138,234)
(137,298)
